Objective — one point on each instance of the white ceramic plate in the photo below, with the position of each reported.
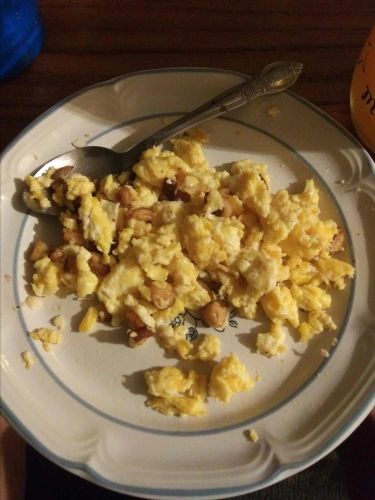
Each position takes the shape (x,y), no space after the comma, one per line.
(72,405)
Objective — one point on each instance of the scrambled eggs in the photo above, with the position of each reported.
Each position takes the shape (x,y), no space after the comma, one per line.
(47,337)
(176,234)
(175,393)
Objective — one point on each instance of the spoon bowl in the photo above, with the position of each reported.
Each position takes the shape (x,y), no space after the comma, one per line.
(95,162)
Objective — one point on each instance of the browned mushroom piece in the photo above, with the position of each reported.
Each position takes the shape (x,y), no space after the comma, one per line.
(73,237)
(125,196)
(133,320)
(139,337)
(215,314)
(143,214)
(97,265)
(162,295)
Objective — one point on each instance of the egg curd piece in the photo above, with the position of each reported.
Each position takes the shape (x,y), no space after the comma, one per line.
(87,281)
(175,393)
(250,181)
(78,185)
(143,195)
(173,339)
(38,186)
(311,236)
(301,271)
(141,308)
(46,278)
(154,252)
(272,343)
(211,240)
(199,182)
(156,165)
(190,294)
(228,377)
(261,270)
(89,320)
(279,304)
(208,347)
(69,221)
(98,219)
(308,199)
(282,218)
(317,322)
(46,336)
(109,186)
(310,297)
(334,271)
(190,150)
(169,212)
(185,281)
(214,202)
(238,295)
(124,238)
(124,278)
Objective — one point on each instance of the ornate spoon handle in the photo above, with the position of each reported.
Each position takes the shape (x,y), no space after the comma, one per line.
(274,78)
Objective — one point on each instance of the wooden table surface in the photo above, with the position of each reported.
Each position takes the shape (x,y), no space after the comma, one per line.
(92,40)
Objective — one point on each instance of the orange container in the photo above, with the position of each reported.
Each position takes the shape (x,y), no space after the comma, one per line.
(362,93)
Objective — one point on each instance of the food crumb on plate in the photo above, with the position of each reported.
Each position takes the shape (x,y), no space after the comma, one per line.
(324,353)
(8,278)
(28,359)
(33,303)
(47,336)
(252,435)
(78,143)
(89,320)
(334,341)
(59,321)
(273,111)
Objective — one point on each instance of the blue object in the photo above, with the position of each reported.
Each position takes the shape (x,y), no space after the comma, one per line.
(21,36)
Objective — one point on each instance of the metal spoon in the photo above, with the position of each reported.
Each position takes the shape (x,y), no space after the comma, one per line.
(95,161)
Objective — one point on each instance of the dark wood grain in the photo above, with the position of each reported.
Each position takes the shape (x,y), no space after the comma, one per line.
(92,40)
